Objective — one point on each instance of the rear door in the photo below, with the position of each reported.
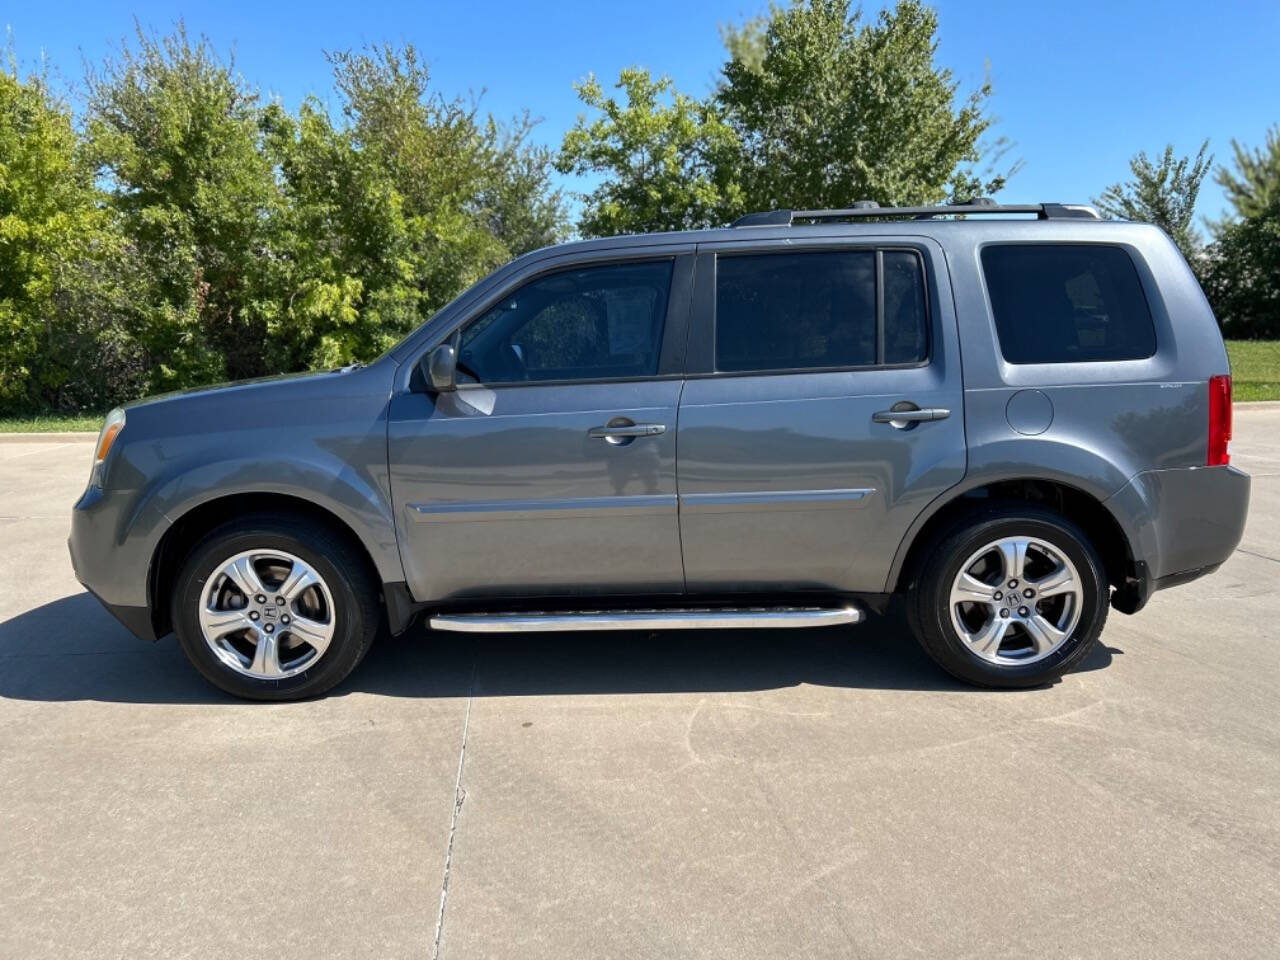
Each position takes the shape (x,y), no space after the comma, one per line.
(551,470)
(794,472)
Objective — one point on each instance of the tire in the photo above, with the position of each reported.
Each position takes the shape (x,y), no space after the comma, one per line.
(320,604)
(1042,637)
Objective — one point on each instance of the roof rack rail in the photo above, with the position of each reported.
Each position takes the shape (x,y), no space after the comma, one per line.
(869,209)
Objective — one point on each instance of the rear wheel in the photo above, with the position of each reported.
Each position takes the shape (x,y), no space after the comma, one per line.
(272,608)
(1013,597)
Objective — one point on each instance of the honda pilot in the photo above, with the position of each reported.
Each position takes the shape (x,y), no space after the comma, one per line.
(1013,417)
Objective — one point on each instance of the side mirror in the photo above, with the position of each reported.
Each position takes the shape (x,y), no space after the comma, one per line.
(439,367)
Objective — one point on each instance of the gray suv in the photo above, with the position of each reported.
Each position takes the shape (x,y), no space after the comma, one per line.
(1014,417)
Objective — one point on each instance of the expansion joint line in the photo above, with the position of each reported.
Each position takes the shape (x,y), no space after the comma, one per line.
(458,796)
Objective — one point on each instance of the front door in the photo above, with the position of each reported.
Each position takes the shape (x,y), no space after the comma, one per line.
(551,470)
(792,474)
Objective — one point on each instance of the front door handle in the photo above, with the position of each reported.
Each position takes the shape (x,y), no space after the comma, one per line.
(620,430)
(910,416)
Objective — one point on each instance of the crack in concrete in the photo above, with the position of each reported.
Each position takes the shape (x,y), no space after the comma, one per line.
(1260,556)
(458,796)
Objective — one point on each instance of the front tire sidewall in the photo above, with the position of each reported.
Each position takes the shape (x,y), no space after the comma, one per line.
(341,656)
(938,634)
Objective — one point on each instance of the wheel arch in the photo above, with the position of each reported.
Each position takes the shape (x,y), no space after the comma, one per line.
(187,529)
(1087,511)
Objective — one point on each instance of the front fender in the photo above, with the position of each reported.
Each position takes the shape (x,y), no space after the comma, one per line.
(320,439)
(324,481)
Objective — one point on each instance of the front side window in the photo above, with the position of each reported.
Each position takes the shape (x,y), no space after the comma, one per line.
(591,323)
(793,311)
(1067,303)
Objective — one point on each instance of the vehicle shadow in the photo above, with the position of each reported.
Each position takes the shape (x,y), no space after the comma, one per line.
(72,649)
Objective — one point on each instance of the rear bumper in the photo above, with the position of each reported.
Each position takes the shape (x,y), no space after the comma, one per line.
(1181,523)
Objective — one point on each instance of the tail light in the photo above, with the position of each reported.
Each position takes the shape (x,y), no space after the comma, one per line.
(1219,420)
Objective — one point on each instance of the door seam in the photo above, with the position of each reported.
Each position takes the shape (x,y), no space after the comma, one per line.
(684,574)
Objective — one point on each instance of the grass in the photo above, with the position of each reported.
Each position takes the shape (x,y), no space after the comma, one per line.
(1255,369)
(51,423)
(1255,375)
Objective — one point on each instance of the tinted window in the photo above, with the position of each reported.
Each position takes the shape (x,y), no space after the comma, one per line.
(588,324)
(905,320)
(810,310)
(1067,303)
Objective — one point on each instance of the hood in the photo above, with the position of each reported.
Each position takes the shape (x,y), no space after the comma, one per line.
(254,384)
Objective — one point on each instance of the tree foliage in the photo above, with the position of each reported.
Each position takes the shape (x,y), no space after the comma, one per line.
(1162,192)
(667,159)
(189,232)
(340,268)
(174,133)
(473,192)
(1243,276)
(814,108)
(1252,188)
(1242,269)
(829,109)
(59,286)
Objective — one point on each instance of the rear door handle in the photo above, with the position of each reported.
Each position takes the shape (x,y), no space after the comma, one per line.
(615,432)
(903,418)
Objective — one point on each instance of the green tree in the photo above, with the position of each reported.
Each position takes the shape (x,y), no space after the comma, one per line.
(341,272)
(666,158)
(829,110)
(1242,280)
(190,233)
(1162,192)
(270,241)
(1242,270)
(814,109)
(520,205)
(389,213)
(472,192)
(174,131)
(1255,183)
(58,341)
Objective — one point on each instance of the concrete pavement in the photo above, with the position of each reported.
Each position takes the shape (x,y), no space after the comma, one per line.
(812,793)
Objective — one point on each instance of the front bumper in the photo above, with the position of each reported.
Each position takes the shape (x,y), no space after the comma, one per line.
(111,555)
(137,620)
(1181,523)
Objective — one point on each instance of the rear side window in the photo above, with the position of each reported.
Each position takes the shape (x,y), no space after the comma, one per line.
(1067,303)
(905,323)
(791,311)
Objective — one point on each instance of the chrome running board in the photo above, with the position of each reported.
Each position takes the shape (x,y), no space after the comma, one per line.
(703,618)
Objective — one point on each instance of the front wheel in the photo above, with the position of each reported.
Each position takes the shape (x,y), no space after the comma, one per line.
(274,608)
(1013,597)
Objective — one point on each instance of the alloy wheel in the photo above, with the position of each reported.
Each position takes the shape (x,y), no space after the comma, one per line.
(267,614)
(1016,600)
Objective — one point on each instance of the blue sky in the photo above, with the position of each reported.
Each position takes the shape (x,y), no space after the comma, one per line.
(1079,86)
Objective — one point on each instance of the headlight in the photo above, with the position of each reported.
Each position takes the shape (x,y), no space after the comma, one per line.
(106,439)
